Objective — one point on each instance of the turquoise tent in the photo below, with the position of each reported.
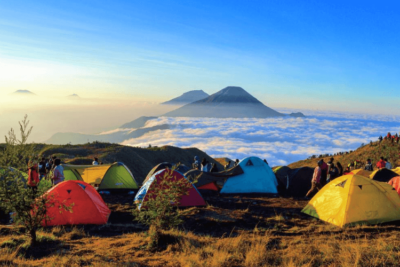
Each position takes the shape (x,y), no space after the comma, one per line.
(258,177)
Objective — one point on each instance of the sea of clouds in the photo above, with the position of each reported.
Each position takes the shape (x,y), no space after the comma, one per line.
(279,140)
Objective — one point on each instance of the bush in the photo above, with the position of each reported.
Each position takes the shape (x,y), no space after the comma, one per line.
(160,211)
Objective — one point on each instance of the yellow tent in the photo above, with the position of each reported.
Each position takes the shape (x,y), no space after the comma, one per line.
(354,199)
(362,172)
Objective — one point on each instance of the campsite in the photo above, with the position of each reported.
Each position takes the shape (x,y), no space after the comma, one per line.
(265,222)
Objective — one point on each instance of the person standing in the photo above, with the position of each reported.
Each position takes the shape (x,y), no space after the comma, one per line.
(58,172)
(330,163)
(33,174)
(324,172)
(205,165)
(333,172)
(368,166)
(381,164)
(388,165)
(95,161)
(228,165)
(316,180)
(42,168)
(196,163)
(340,168)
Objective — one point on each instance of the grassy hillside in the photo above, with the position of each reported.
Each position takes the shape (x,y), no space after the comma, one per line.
(370,151)
(139,160)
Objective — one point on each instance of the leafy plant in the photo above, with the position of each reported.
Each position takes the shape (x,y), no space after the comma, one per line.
(159,209)
(27,206)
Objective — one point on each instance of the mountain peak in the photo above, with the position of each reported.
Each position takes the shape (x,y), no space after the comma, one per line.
(230,102)
(73,95)
(230,95)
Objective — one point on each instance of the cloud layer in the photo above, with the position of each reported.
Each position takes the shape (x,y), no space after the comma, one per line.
(279,140)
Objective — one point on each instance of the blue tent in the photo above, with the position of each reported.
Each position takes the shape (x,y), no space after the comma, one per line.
(258,177)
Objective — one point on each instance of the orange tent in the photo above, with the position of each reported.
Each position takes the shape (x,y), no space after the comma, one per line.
(87,205)
(395,182)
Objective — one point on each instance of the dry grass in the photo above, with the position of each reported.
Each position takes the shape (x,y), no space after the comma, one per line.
(312,246)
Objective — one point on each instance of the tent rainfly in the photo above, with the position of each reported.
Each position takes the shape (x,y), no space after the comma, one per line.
(87,205)
(355,199)
(153,185)
(258,177)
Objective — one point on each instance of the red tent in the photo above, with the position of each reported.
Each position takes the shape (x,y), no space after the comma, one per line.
(395,182)
(88,207)
(151,187)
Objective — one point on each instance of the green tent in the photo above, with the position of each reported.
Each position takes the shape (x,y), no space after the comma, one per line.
(105,177)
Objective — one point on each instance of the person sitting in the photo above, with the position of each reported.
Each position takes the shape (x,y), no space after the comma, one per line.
(388,165)
(58,173)
(381,164)
(95,162)
(368,166)
(236,162)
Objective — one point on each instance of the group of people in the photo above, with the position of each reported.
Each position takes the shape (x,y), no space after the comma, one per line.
(44,169)
(389,137)
(323,174)
(326,172)
(204,165)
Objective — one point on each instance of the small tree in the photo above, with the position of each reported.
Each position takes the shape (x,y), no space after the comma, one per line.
(27,206)
(160,210)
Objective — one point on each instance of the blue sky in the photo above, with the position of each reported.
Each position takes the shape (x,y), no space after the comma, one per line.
(340,55)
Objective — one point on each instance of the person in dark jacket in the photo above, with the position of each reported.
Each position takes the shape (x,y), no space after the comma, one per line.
(340,168)
(324,172)
(333,172)
(368,166)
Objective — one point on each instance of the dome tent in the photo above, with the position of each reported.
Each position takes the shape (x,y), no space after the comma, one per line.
(164,165)
(257,177)
(152,186)
(361,172)
(383,175)
(157,168)
(87,205)
(354,199)
(107,177)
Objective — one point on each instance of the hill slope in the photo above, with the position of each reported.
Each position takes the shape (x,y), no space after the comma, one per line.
(186,98)
(230,102)
(139,160)
(370,151)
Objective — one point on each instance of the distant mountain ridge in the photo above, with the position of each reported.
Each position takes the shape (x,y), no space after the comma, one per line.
(23,92)
(230,102)
(186,98)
